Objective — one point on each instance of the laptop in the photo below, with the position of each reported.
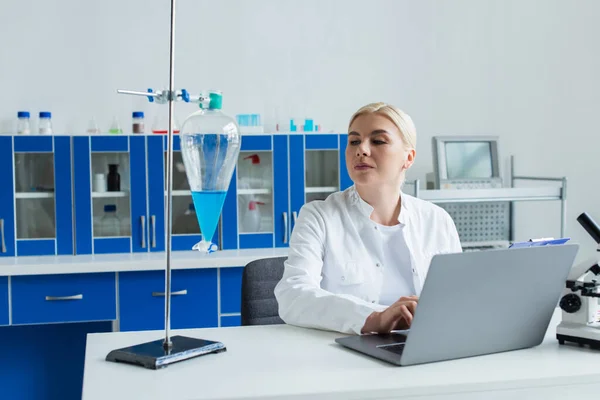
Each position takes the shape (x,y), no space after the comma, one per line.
(477,303)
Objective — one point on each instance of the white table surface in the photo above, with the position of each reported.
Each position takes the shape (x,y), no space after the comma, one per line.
(38,265)
(282,361)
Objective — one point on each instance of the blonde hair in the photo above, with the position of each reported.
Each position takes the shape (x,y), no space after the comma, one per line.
(403,121)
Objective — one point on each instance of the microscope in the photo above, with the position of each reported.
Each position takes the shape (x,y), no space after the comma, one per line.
(579,302)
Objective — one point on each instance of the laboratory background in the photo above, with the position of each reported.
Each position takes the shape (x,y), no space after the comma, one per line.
(83,167)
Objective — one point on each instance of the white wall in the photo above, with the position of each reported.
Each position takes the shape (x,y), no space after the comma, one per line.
(525,70)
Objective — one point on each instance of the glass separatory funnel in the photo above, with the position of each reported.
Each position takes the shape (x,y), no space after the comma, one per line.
(210,146)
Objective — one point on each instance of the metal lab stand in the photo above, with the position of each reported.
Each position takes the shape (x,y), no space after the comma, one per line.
(495,196)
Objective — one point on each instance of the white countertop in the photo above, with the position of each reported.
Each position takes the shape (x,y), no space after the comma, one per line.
(282,361)
(31,265)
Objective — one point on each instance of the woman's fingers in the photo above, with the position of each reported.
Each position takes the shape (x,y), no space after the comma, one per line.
(406,314)
(408,298)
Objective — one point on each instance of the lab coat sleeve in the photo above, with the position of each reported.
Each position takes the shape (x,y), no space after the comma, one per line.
(453,238)
(301,300)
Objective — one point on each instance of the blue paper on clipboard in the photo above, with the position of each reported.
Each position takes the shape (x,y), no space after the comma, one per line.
(536,243)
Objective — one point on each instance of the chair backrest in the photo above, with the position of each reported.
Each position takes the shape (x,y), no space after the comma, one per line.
(259,305)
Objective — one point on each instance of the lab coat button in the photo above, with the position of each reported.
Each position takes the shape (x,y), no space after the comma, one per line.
(343,278)
(375,227)
(372,301)
(379,265)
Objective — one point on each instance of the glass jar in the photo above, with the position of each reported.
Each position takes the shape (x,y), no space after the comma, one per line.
(23,126)
(138,122)
(45,126)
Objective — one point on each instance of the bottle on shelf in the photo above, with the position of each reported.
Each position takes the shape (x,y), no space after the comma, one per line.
(251,220)
(99,183)
(23,125)
(45,125)
(138,122)
(254,172)
(113,179)
(110,224)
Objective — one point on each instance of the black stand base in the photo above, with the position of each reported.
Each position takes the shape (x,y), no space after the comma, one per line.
(594,344)
(152,355)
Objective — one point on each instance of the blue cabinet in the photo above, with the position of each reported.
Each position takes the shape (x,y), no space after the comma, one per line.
(110,218)
(56,186)
(193,299)
(7,202)
(36,209)
(63,298)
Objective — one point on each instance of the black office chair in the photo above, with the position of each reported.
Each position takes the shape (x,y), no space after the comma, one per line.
(259,305)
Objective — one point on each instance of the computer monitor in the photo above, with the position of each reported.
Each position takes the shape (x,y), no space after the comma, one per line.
(466,160)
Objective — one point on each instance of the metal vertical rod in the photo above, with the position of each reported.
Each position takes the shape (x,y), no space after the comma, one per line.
(169,217)
(511,205)
(563,207)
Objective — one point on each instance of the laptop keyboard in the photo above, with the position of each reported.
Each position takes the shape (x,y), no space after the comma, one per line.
(396,348)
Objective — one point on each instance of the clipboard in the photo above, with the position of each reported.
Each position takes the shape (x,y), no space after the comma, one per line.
(539,242)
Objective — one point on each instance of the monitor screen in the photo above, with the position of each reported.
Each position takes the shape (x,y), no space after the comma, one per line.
(466,160)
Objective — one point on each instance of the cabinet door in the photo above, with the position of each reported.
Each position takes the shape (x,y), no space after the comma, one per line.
(230,279)
(281,190)
(110,194)
(345,181)
(156,198)
(4,300)
(193,299)
(7,201)
(254,193)
(43,199)
(314,169)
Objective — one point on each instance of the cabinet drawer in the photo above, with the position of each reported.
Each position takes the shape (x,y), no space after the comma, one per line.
(193,299)
(3,300)
(63,298)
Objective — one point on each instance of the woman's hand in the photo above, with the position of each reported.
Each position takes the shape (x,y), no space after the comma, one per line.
(398,316)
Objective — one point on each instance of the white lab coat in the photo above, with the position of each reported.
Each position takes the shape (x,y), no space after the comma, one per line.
(333,274)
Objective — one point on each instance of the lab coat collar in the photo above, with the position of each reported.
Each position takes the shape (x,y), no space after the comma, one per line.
(366,209)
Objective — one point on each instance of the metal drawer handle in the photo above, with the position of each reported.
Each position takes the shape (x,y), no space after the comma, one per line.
(60,298)
(143,218)
(285,227)
(162,294)
(153,222)
(294,217)
(3,249)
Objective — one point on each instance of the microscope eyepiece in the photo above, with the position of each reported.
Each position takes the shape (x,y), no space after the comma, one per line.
(590,226)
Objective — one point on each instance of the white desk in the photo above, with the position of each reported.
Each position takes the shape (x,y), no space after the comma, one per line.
(282,361)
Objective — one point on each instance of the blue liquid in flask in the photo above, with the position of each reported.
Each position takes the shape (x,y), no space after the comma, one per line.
(208,205)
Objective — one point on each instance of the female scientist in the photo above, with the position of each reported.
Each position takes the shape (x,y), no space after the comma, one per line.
(358,260)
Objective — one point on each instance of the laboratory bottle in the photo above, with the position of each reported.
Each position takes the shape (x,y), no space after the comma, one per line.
(45,125)
(23,125)
(251,221)
(110,224)
(113,179)
(138,122)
